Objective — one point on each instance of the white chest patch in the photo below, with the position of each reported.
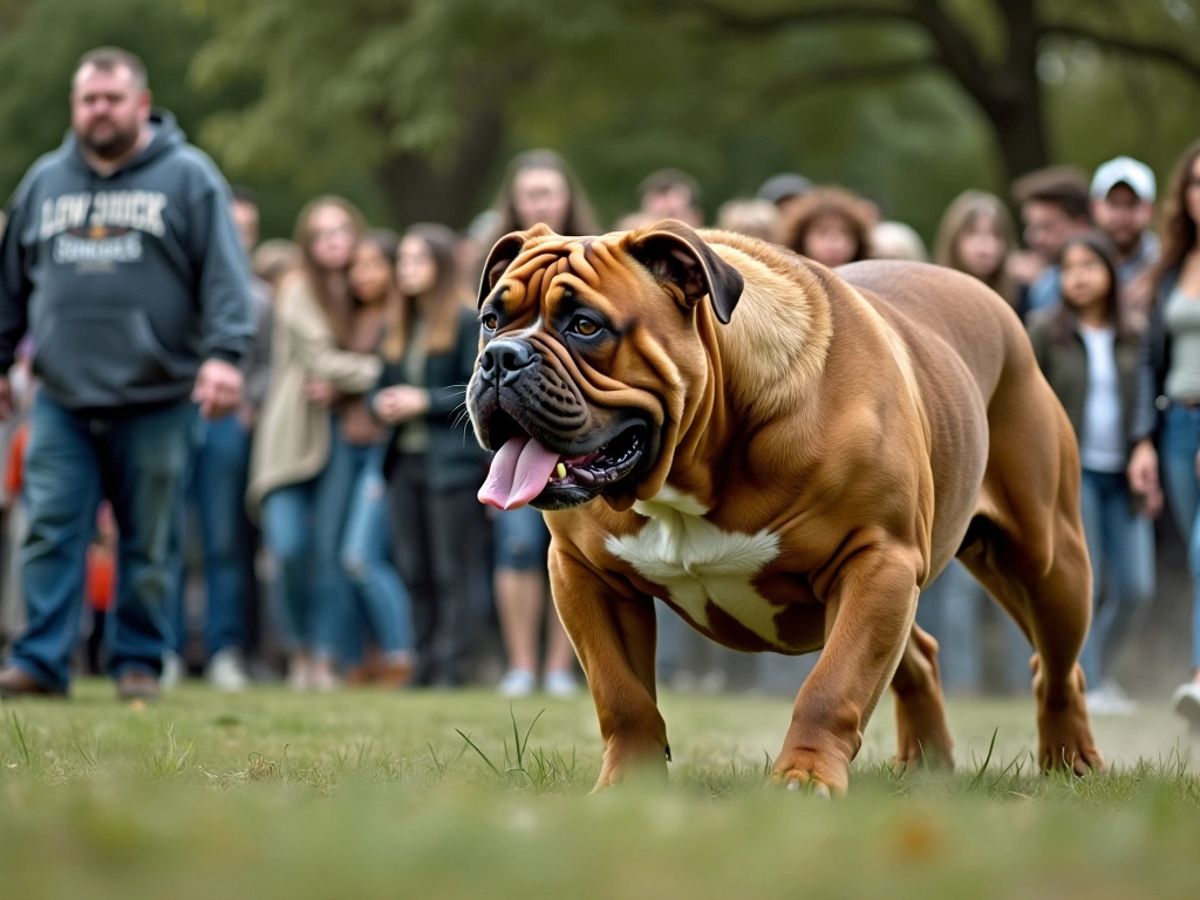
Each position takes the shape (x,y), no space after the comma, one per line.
(699,563)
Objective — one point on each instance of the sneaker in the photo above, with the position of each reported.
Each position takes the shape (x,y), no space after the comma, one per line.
(226,672)
(517,683)
(172,671)
(1186,701)
(1109,699)
(560,683)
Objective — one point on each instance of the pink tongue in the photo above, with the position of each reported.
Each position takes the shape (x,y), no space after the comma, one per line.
(519,472)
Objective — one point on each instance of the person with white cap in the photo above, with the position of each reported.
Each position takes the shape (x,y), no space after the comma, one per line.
(1123,192)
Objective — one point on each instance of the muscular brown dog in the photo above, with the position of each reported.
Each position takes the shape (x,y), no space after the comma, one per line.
(785,455)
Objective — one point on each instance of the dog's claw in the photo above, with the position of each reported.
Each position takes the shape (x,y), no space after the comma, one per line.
(814,788)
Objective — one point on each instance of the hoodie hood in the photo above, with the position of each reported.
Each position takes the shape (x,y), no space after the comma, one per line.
(166,135)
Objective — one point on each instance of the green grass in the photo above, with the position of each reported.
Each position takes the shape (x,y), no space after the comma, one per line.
(361,795)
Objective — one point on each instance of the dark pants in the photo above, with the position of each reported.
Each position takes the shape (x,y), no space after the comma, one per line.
(73,461)
(441,549)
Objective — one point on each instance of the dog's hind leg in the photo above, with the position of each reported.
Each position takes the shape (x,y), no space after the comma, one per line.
(924,739)
(1027,548)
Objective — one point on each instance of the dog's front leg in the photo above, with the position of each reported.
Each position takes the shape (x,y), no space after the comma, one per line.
(868,618)
(614,637)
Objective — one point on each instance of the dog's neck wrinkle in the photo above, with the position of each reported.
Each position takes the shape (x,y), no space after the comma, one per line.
(704,436)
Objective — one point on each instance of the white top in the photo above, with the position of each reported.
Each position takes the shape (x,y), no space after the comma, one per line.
(1182,316)
(1102,444)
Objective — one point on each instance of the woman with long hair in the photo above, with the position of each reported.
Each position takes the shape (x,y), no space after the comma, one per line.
(977,236)
(539,186)
(1089,354)
(433,466)
(382,600)
(297,481)
(1167,417)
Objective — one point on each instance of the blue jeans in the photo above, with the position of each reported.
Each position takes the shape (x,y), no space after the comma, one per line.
(951,609)
(522,540)
(1180,444)
(73,461)
(957,611)
(302,528)
(1121,546)
(218,464)
(383,601)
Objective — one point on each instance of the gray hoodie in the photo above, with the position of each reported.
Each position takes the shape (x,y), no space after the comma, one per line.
(126,282)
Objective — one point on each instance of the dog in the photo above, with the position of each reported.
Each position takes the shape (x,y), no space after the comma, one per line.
(785,455)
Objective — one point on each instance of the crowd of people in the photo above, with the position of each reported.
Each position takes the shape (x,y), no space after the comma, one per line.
(252,457)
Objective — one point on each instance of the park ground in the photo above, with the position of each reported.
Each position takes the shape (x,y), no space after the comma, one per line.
(440,795)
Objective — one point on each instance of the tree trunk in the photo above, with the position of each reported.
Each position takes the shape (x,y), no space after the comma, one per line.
(1016,91)
(416,191)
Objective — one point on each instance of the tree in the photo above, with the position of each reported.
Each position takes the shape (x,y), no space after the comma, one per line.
(999,72)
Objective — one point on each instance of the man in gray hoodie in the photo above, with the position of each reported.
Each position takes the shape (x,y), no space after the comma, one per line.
(121,261)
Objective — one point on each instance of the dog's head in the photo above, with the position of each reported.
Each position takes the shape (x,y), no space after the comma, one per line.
(589,348)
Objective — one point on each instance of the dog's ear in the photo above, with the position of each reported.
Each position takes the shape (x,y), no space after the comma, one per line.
(503,252)
(676,255)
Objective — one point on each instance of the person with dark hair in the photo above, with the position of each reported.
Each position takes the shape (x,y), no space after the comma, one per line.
(829,225)
(381,600)
(433,466)
(1089,355)
(1167,416)
(783,190)
(671,194)
(121,259)
(298,483)
(1054,206)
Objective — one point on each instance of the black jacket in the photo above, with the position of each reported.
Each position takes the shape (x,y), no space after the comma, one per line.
(1155,358)
(454,459)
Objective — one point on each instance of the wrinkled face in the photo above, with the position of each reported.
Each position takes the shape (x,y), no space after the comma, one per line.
(588,349)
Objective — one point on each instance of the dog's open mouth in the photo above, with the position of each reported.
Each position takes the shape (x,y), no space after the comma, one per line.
(526,471)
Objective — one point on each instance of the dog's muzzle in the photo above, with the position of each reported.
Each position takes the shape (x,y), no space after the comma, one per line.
(504,360)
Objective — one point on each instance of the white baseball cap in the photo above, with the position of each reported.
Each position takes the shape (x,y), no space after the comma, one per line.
(1124,170)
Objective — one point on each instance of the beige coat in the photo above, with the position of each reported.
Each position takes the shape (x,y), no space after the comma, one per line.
(291,441)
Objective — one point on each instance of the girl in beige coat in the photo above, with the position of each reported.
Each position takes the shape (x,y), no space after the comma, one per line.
(292,485)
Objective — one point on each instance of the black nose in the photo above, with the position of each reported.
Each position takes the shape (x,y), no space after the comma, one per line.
(503,360)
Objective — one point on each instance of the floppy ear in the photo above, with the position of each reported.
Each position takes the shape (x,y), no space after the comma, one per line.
(503,252)
(675,254)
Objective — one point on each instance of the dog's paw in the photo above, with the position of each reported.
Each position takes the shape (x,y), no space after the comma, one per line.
(812,772)
(627,759)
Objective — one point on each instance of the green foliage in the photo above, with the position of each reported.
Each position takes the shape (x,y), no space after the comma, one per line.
(412,107)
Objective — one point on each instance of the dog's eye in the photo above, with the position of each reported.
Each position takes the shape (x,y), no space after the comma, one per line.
(490,321)
(583,326)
